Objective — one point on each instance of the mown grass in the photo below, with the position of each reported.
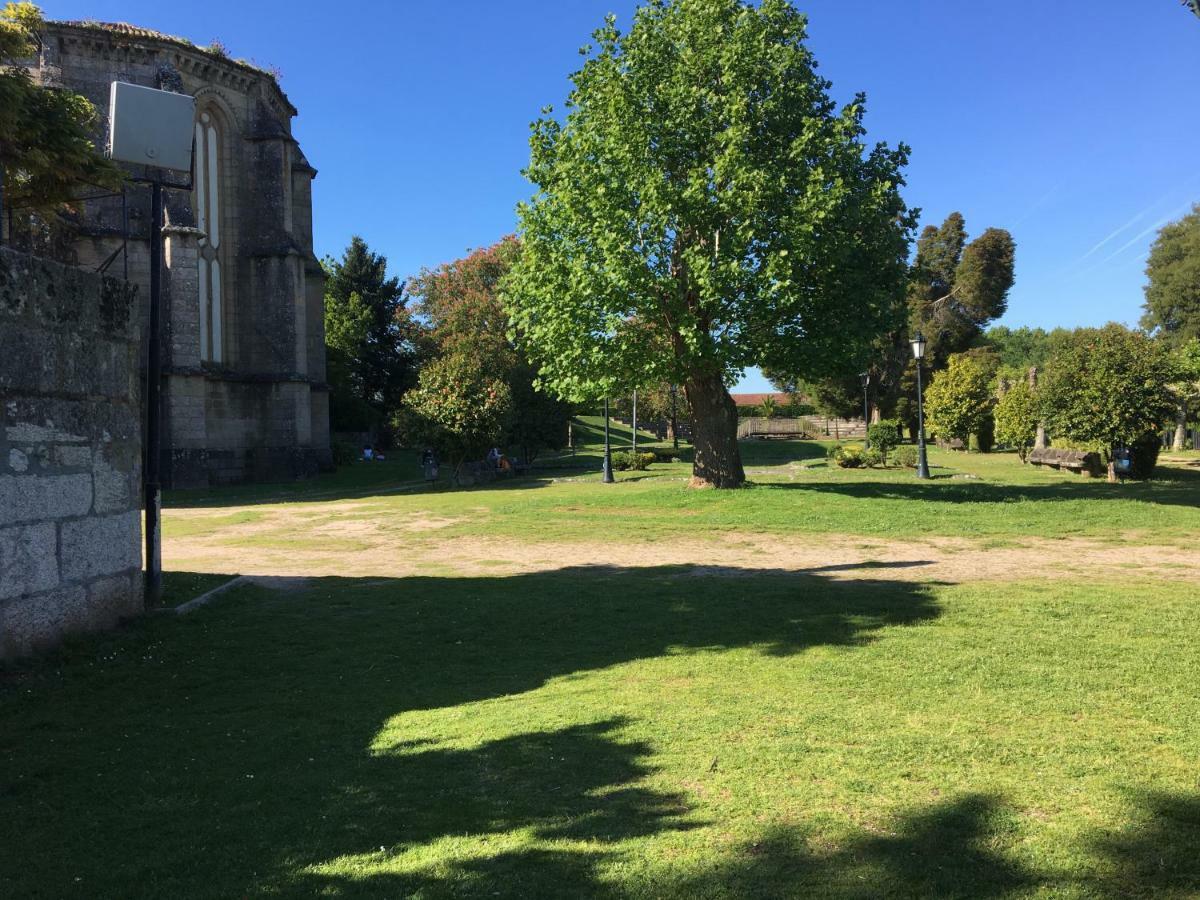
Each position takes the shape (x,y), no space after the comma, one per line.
(606,732)
(658,731)
(793,490)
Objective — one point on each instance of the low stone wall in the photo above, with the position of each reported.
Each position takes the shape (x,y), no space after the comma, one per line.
(70,453)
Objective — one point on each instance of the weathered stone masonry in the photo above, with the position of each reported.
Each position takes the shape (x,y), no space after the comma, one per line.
(244,393)
(70,453)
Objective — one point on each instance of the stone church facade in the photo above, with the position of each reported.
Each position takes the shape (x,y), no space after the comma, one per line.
(244,392)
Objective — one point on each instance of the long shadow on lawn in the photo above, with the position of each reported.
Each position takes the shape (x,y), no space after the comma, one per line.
(949,849)
(228,753)
(241,751)
(1174,487)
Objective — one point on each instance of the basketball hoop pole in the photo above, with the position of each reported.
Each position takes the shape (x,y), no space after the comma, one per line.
(151,477)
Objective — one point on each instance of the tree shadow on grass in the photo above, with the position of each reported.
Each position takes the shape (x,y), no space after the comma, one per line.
(939,851)
(1174,487)
(237,743)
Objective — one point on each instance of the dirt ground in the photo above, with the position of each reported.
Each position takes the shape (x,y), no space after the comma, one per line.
(361,548)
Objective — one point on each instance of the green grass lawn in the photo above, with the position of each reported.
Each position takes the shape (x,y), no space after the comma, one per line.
(635,731)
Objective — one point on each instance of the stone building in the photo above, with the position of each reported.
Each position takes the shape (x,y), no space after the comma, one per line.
(244,388)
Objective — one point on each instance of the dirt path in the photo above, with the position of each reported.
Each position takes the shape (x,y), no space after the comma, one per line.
(362,548)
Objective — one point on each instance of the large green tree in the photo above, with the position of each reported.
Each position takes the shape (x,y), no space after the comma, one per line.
(1106,388)
(46,148)
(704,206)
(1173,281)
(956,288)
(372,342)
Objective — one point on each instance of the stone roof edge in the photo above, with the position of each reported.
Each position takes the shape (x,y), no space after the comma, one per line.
(134,34)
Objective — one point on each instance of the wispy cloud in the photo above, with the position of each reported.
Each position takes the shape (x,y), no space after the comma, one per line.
(1118,231)
(1137,217)
(1038,204)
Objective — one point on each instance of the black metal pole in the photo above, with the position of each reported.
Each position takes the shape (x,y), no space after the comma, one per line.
(153,404)
(608,475)
(866,412)
(674,416)
(635,421)
(922,462)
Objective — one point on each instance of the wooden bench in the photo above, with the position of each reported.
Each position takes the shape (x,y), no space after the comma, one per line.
(1074,460)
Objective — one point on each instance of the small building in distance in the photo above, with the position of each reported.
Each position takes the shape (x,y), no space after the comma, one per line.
(244,392)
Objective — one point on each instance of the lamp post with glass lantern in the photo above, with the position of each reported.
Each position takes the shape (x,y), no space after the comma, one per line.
(918,349)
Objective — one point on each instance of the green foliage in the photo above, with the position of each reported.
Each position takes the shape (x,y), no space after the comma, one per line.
(704,207)
(344,454)
(768,408)
(884,436)
(46,148)
(873,458)
(847,456)
(984,439)
(1173,281)
(462,409)
(460,301)
(956,287)
(1017,415)
(905,456)
(959,401)
(1107,387)
(373,344)
(1145,456)
(627,460)
(837,398)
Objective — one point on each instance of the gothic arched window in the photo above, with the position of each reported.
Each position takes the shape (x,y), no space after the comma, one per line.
(209,173)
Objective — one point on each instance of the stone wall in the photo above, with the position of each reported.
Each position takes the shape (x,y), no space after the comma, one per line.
(70,453)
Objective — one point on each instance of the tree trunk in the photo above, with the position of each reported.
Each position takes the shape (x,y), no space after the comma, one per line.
(1181,414)
(716,461)
(1039,442)
(1112,471)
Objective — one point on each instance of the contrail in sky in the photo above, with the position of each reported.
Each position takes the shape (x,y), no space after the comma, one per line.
(1137,218)
(1141,234)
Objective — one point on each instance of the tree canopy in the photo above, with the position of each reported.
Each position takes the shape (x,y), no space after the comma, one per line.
(46,148)
(460,302)
(372,342)
(960,399)
(1173,286)
(956,287)
(704,206)
(1107,387)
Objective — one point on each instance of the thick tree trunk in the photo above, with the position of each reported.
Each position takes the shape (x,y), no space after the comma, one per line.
(716,461)
(1181,414)
(1039,442)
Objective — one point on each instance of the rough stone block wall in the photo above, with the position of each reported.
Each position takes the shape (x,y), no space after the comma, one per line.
(70,453)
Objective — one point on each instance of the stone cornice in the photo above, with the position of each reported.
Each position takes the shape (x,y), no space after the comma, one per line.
(145,45)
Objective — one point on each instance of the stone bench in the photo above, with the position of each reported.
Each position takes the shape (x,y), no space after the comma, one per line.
(1074,460)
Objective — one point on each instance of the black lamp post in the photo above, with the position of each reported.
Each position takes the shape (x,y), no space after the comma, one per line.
(918,349)
(608,475)
(674,416)
(866,380)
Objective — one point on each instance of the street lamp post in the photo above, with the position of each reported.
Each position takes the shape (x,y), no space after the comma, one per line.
(674,417)
(918,349)
(608,475)
(866,380)
(635,422)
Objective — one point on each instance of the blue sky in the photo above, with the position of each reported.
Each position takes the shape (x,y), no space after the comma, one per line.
(1074,125)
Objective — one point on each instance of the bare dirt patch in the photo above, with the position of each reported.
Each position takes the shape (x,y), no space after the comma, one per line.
(410,546)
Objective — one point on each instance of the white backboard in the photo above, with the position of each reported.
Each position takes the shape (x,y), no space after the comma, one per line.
(149,127)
